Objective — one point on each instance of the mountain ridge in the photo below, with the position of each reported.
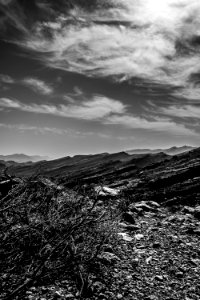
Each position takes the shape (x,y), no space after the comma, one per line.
(23,158)
(170,151)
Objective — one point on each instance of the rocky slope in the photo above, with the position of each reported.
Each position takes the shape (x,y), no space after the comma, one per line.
(155,254)
(157,257)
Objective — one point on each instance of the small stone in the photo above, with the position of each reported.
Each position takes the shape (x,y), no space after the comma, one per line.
(156,245)
(159,277)
(108,248)
(119,296)
(149,259)
(125,236)
(143,206)
(197,231)
(108,257)
(135,209)
(179,274)
(69,296)
(135,262)
(188,209)
(151,297)
(44,289)
(154,229)
(197,212)
(139,236)
(195,262)
(57,295)
(154,204)
(102,296)
(98,285)
(28,293)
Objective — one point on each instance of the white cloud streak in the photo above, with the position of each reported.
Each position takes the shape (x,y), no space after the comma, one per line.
(157,125)
(38,85)
(94,109)
(104,110)
(134,39)
(185,111)
(35,129)
(6,79)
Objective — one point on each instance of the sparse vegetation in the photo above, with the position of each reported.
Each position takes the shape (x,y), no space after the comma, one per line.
(97,234)
(49,234)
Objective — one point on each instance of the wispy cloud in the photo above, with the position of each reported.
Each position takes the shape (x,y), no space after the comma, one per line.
(157,125)
(148,39)
(59,131)
(190,91)
(104,110)
(5,2)
(185,111)
(94,109)
(35,129)
(38,85)
(6,79)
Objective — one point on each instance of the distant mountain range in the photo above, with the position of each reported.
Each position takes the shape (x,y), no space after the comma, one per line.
(149,170)
(168,151)
(23,158)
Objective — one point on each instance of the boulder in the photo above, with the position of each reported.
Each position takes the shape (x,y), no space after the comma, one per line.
(106,191)
(125,236)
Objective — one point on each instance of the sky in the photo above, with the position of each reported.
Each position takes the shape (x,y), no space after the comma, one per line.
(80,77)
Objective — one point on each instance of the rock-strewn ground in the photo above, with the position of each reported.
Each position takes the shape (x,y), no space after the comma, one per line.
(160,259)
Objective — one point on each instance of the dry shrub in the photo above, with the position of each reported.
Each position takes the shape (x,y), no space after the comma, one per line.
(49,234)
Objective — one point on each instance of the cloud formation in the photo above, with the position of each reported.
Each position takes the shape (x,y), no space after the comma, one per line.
(6,79)
(157,124)
(104,110)
(185,111)
(95,109)
(35,129)
(148,39)
(38,85)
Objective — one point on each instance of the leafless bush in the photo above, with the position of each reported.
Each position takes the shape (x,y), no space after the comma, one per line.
(48,234)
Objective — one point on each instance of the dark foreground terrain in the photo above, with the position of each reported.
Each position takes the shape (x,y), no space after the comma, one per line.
(107,226)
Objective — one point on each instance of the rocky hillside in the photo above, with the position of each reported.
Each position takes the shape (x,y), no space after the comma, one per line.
(90,167)
(106,226)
